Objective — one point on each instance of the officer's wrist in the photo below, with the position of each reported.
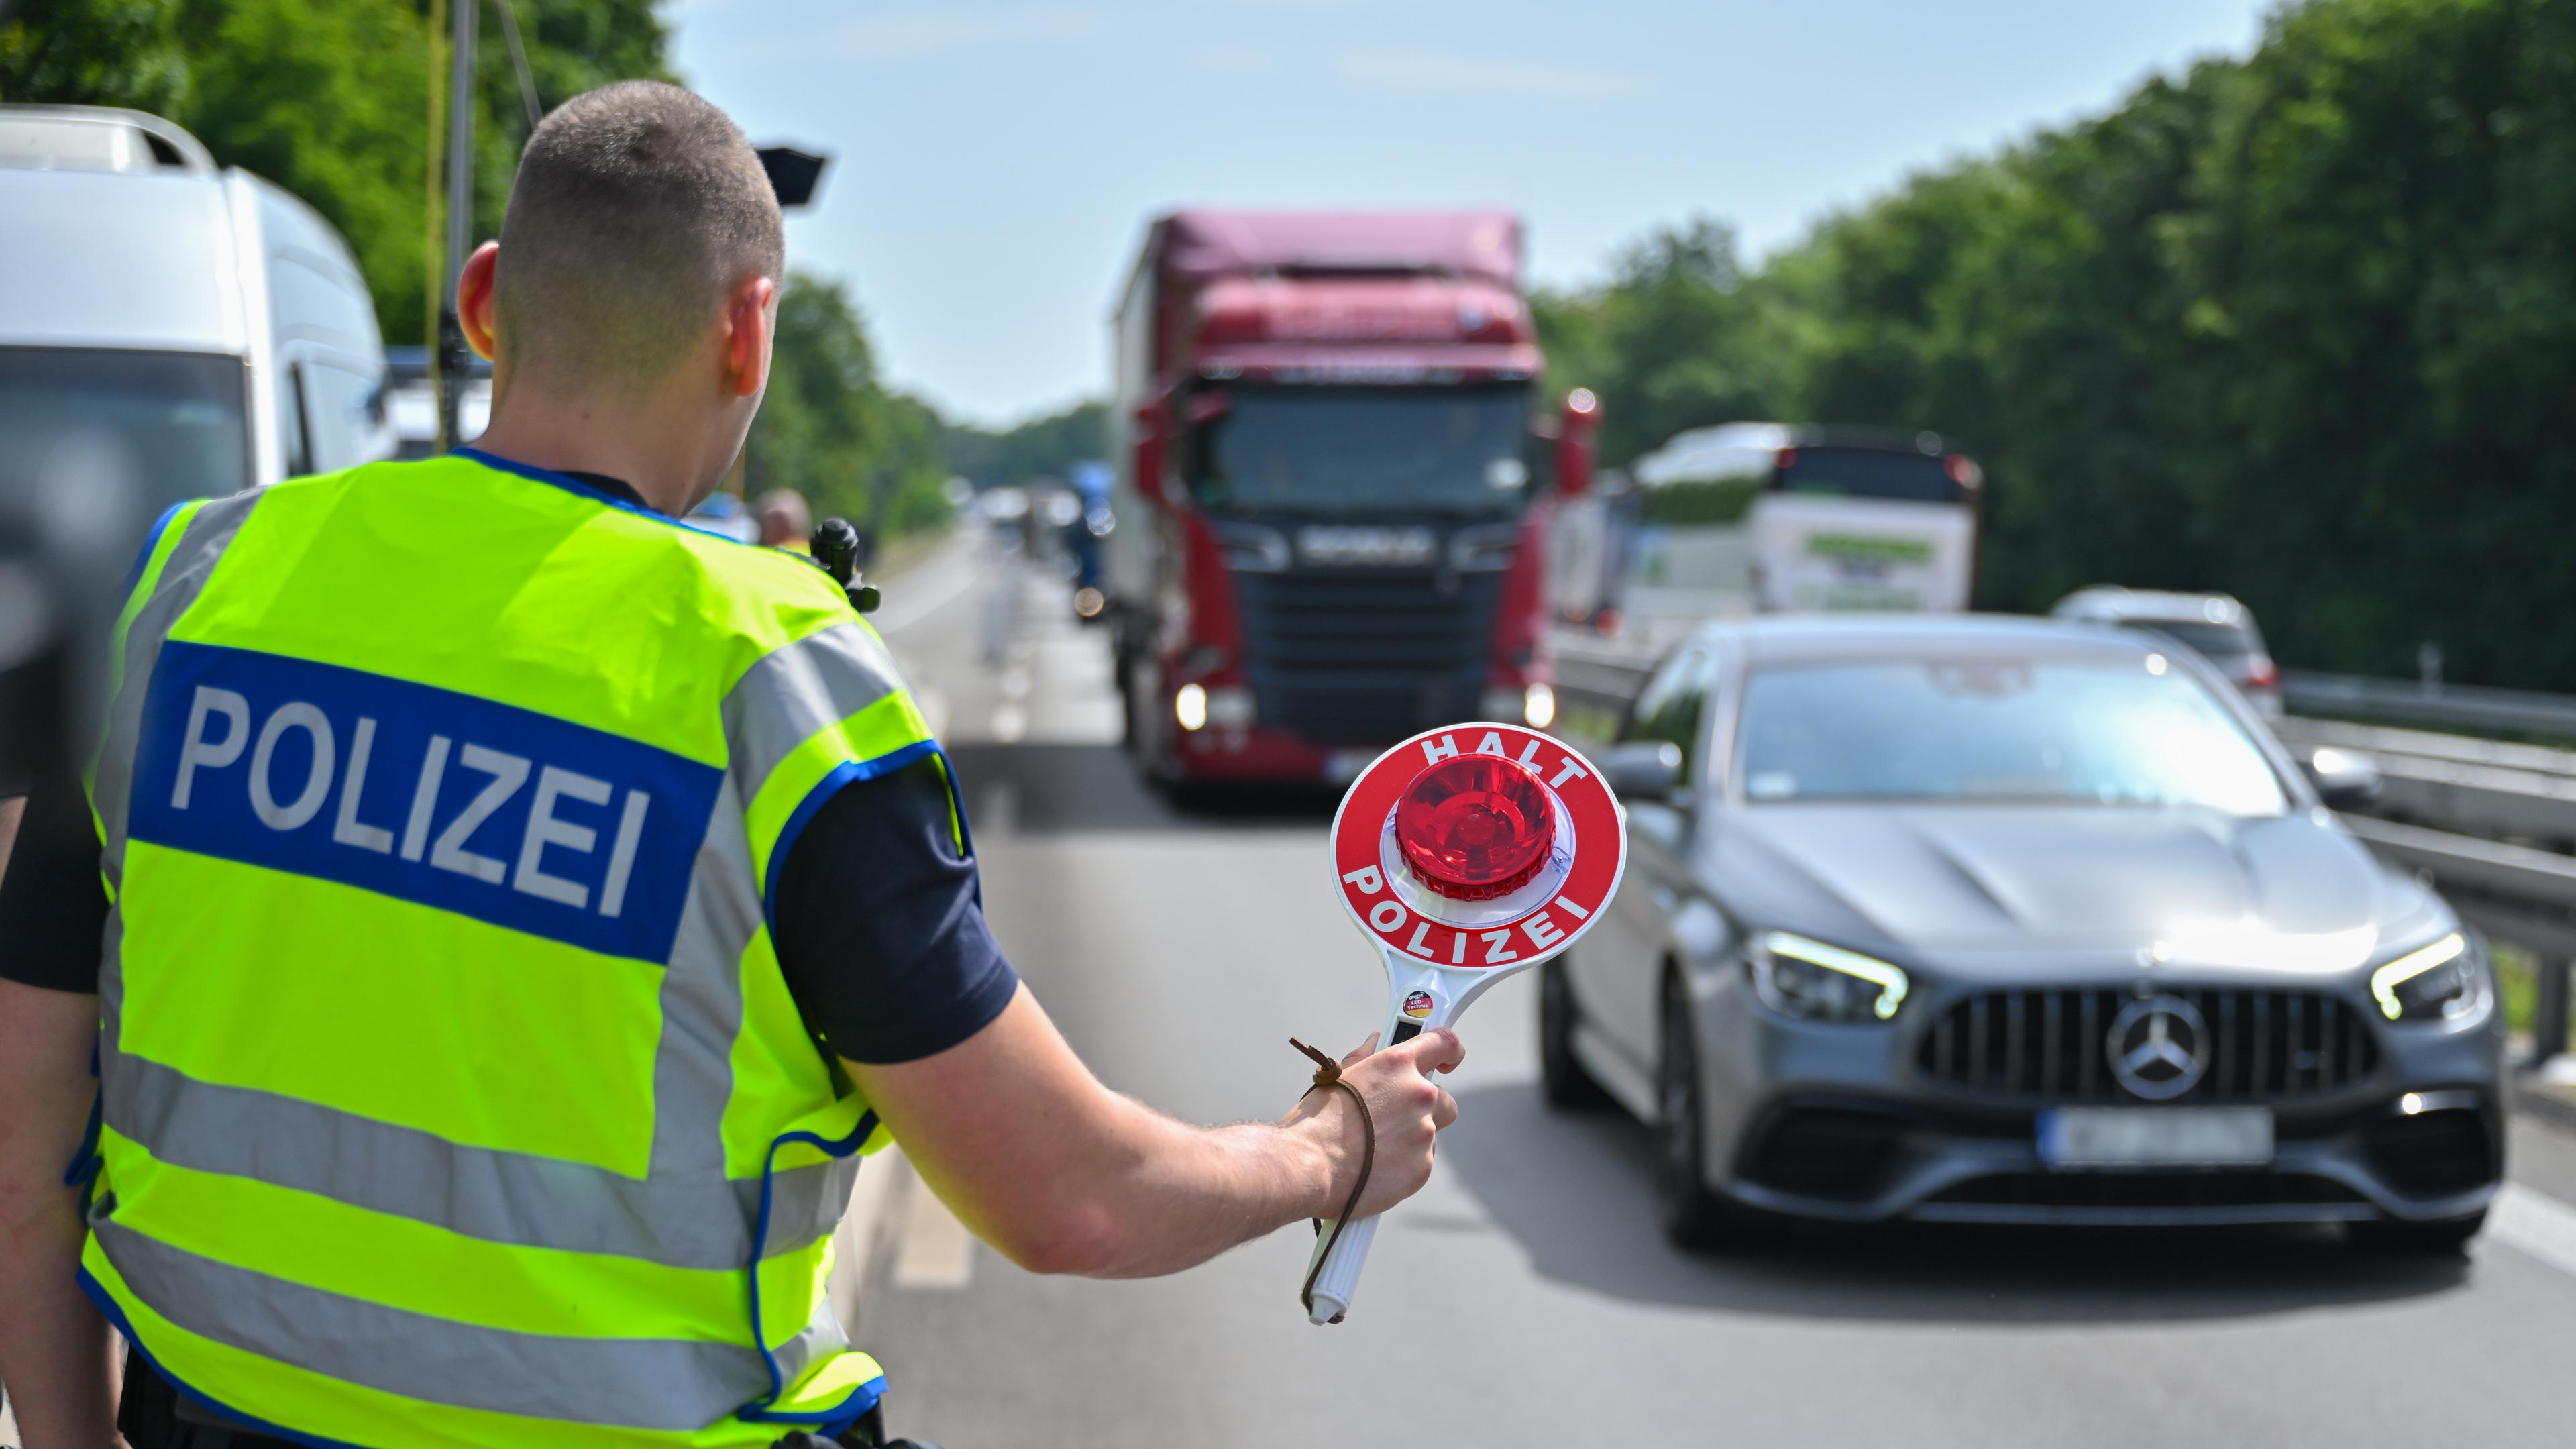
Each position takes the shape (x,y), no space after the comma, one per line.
(1323,1133)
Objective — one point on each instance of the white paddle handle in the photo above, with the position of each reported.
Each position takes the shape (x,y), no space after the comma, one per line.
(1341,1276)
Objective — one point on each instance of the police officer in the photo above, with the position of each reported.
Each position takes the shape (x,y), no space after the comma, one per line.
(520,909)
(785,521)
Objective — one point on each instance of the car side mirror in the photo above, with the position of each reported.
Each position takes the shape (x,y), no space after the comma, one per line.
(1643,770)
(2344,780)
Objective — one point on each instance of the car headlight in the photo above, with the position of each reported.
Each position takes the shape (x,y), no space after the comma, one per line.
(2428,984)
(1803,978)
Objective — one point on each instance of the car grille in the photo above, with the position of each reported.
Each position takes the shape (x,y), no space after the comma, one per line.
(2266,1046)
(1366,656)
(2145,1190)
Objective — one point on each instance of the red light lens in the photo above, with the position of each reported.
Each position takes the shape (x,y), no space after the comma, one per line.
(1475,827)
(1785,459)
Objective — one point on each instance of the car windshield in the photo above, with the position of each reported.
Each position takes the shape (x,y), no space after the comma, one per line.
(169,421)
(2045,731)
(1360,450)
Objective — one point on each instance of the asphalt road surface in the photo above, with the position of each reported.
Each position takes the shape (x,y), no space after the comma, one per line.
(1525,1298)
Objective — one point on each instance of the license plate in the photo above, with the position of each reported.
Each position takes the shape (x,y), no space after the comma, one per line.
(1343,766)
(2155,1136)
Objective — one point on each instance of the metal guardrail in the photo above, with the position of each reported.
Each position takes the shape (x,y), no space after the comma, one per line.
(2472,707)
(2490,823)
(1598,675)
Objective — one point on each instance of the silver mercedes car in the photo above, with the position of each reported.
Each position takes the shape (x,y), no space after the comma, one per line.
(2016,921)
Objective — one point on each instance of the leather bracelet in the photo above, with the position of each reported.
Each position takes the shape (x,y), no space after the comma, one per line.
(1328,1074)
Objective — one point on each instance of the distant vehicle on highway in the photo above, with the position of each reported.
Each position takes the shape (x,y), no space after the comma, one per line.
(1334,475)
(1776,519)
(211,324)
(2013,921)
(2216,625)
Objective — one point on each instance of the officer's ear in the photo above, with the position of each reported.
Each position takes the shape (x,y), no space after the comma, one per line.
(750,312)
(474,305)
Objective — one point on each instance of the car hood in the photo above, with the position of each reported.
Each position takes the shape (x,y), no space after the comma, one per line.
(2028,875)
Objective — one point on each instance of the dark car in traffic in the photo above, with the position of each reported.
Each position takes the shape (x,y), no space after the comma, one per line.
(2016,921)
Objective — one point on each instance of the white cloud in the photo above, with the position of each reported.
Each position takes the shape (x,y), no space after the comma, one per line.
(1231,59)
(899,37)
(1439,73)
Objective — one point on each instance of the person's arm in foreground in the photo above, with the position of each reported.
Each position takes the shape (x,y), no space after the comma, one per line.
(55,1352)
(1063,1175)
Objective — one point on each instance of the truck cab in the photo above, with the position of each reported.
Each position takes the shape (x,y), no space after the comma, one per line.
(1333,480)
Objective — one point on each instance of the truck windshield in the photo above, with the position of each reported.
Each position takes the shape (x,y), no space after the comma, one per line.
(1365,450)
(170,422)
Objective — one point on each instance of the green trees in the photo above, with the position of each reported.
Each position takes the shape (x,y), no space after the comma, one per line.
(1046,446)
(2302,327)
(331,99)
(328,98)
(830,430)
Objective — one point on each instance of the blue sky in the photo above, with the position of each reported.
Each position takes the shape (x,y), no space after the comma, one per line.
(997,162)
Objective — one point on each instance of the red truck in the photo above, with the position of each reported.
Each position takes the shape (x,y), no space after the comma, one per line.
(1334,477)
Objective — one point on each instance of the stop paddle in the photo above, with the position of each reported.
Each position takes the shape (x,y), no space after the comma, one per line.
(1464,854)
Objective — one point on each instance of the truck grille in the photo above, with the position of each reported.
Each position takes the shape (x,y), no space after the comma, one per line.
(1366,656)
(2265,1046)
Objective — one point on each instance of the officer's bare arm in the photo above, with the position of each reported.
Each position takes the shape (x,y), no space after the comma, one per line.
(1065,1176)
(54,1348)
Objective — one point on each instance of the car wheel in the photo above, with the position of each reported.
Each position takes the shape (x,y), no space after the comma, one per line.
(1562,1081)
(1694,1216)
(2450,1235)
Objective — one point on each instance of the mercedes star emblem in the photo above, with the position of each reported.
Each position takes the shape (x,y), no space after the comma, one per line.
(2158,1047)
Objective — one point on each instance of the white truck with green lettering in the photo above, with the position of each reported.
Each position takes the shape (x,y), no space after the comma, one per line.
(1765,517)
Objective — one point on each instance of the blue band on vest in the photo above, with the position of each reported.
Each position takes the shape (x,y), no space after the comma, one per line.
(528,822)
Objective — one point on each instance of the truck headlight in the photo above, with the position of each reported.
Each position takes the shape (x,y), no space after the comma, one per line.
(2431,983)
(1535,705)
(1799,977)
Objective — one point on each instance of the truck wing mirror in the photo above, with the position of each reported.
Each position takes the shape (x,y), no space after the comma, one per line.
(1148,460)
(1574,448)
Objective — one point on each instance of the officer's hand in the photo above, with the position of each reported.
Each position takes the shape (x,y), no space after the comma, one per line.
(1408,1108)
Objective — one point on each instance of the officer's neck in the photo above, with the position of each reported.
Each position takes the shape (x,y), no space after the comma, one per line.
(672,455)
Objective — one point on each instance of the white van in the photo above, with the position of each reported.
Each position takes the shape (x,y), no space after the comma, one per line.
(203,320)
(168,331)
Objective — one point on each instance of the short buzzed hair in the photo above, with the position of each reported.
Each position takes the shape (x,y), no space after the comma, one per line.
(637,209)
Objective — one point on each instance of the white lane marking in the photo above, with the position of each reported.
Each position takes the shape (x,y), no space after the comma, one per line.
(934,708)
(1000,812)
(905,607)
(1010,724)
(863,1230)
(2533,1222)
(937,1251)
(1015,682)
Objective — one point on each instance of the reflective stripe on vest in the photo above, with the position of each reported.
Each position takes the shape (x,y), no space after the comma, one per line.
(451,1088)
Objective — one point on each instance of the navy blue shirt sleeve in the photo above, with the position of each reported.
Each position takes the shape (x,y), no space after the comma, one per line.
(879,925)
(53,907)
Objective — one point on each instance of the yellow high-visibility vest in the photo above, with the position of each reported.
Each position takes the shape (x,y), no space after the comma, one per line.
(451,1093)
